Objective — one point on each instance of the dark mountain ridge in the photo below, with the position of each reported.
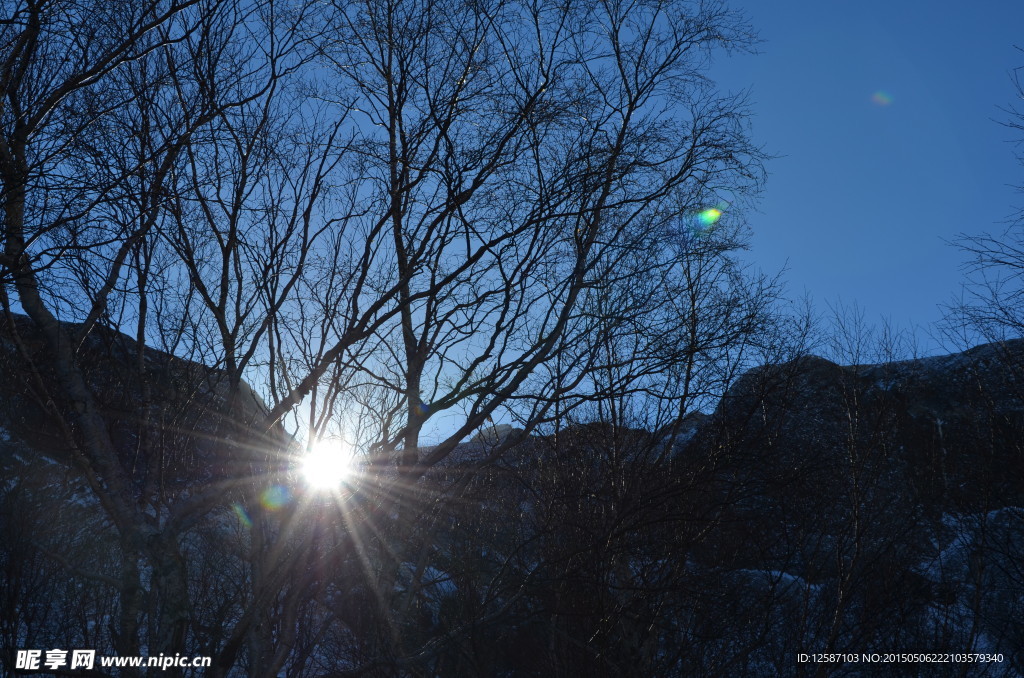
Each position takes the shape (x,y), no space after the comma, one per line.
(820,508)
(165,415)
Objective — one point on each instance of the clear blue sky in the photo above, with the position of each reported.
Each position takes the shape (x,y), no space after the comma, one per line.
(864,193)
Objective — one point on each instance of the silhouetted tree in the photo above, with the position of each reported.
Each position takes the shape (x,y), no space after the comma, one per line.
(330,214)
(992,303)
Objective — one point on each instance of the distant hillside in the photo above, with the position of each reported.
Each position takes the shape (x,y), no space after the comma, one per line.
(820,509)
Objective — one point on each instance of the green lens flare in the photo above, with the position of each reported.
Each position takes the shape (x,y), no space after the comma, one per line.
(710,216)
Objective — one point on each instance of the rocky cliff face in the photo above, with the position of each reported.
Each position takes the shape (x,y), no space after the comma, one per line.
(945,432)
(873,506)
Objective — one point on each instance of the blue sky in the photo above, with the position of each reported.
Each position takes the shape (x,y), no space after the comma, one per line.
(863,195)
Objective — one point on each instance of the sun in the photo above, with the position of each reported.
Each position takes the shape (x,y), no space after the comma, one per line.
(327,465)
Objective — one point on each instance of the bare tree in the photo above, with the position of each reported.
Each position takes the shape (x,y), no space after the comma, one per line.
(415,216)
(991,306)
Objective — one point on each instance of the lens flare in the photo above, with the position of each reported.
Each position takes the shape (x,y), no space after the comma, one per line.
(327,465)
(699,225)
(243,516)
(710,216)
(881,98)
(275,497)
